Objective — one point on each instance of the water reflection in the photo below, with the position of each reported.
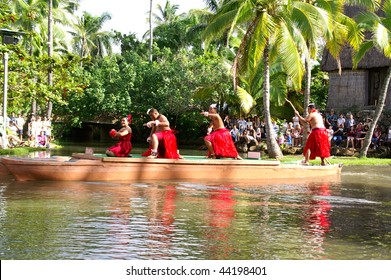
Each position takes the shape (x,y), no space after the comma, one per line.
(40,154)
(80,220)
(161,220)
(220,215)
(317,218)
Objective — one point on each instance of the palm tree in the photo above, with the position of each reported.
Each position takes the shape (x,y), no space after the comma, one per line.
(167,14)
(69,5)
(32,20)
(88,37)
(272,34)
(150,32)
(379,27)
(331,26)
(170,30)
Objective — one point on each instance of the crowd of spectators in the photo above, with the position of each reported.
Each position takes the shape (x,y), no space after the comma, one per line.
(344,129)
(252,130)
(37,132)
(347,130)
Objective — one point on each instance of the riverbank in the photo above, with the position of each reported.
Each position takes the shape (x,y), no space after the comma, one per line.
(351,160)
(20,151)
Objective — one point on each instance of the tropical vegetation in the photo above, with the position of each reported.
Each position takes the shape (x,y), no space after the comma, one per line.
(248,56)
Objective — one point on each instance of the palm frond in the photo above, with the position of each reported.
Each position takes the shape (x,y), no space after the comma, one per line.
(218,26)
(359,54)
(291,57)
(372,5)
(246,100)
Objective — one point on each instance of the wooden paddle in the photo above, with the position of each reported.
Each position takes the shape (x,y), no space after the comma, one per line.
(290,103)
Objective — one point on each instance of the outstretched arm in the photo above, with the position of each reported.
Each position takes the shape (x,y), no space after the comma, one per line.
(306,119)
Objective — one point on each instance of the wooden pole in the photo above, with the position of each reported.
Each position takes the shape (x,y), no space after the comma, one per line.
(290,103)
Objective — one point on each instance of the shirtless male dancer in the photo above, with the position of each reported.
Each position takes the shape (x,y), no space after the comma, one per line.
(162,139)
(219,142)
(318,144)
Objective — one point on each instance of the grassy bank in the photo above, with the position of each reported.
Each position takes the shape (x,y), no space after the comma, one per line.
(21,151)
(343,160)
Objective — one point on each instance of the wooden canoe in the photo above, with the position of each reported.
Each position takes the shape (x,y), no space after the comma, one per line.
(83,167)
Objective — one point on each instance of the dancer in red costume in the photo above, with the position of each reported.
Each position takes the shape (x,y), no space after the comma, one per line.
(318,144)
(162,139)
(219,141)
(124,147)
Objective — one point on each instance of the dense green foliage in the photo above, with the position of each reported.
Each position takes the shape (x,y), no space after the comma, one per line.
(91,84)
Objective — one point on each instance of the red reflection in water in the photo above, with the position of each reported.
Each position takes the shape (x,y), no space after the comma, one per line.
(222,207)
(317,216)
(169,208)
(221,215)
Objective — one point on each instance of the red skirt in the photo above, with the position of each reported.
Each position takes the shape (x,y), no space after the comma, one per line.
(318,143)
(167,146)
(124,147)
(222,143)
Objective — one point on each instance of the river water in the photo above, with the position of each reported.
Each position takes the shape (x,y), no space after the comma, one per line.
(350,219)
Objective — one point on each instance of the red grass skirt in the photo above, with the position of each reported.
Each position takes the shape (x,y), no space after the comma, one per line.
(222,143)
(318,143)
(167,146)
(123,148)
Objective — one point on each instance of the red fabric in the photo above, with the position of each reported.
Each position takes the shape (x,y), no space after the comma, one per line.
(318,143)
(222,211)
(318,215)
(167,146)
(124,147)
(147,152)
(222,143)
(112,132)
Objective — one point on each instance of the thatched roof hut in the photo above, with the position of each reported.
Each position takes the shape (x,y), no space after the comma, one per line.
(373,58)
(358,87)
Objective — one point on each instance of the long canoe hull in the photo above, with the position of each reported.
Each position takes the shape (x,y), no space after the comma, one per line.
(91,168)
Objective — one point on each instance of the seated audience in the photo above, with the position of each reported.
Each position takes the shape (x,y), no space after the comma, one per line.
(338,135)
(351,135)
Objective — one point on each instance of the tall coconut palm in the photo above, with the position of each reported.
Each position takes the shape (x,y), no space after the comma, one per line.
(150,32)
(272,34)
(379,27)
(331,26)
(69,5)
(88,37)
(167,14)
(32,20)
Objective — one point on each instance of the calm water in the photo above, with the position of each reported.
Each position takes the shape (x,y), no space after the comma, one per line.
(350,219)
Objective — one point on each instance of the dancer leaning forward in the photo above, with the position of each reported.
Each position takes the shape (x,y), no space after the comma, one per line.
(318,144)
(219,141)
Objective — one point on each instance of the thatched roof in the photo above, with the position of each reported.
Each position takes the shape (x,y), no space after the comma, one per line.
(372,59)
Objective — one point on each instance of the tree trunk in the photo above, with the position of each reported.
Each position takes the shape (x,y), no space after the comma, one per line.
(50,54)
(34,107)
(150,32)
(273,149)
(378,111)
(307,94)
